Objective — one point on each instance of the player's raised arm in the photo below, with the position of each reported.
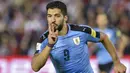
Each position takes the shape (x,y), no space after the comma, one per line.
(118,66)
(39,59)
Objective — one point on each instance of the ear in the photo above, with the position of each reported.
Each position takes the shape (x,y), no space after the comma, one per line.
(66,18)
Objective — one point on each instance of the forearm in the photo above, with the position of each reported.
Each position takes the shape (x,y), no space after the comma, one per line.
(122,43)
(40,59)
(111,49)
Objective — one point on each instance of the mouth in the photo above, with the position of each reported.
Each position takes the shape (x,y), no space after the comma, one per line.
(55,26)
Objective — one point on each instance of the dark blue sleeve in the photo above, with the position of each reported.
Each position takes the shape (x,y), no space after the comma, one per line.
(41,44)
(92,35)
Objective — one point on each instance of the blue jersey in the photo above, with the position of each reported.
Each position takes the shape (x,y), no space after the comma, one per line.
(70,52)
(102,54)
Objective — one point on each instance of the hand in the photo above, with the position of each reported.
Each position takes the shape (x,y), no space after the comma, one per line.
(53,34)
(119,68)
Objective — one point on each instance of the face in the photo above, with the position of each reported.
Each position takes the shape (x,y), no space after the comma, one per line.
(102,20)
(56,18)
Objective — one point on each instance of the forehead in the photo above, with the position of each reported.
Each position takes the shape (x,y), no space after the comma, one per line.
(102,17)
(53,11)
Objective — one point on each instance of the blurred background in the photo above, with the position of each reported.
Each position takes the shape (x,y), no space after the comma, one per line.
(23,21)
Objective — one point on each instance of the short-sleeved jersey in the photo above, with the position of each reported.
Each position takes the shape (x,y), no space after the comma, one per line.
(70,52)
(102,54)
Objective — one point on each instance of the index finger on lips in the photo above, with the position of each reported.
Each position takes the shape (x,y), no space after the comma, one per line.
(52,27)
(50,30)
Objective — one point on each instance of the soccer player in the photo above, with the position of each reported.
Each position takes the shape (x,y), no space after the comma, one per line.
(104,59)
(66,44)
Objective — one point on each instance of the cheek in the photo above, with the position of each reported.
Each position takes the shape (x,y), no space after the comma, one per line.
(60,20)
(49,20)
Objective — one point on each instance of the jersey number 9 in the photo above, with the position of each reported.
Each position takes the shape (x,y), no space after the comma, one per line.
(66,55)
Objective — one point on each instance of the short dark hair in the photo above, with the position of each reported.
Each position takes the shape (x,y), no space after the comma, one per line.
(57,4)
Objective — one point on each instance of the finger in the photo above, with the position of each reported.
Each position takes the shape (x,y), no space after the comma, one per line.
(50,30)
(122,71)
(54,37)
(56,32)
(55,29)
(52,27)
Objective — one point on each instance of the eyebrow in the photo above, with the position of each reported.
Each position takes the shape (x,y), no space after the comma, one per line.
(48,14)
(57,14)
(54,14)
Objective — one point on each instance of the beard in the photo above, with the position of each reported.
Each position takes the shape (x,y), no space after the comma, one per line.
(58,27)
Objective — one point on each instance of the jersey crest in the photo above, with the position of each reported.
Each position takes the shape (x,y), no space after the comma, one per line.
(76,40)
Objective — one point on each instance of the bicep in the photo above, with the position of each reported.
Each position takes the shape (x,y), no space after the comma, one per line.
(102,36)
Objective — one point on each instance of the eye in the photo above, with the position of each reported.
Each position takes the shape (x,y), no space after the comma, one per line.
(58,15)
(49,15)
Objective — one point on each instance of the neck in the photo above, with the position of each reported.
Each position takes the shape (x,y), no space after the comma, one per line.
(102,28)
(64,30)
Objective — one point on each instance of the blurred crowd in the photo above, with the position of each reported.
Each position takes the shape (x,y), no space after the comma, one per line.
(23,21)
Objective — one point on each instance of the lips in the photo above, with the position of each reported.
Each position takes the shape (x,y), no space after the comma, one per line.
(55,26)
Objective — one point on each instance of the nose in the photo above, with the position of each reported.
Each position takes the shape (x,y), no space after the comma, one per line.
(53,19)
